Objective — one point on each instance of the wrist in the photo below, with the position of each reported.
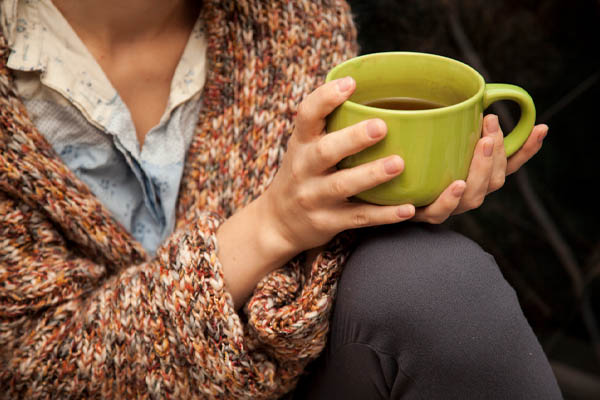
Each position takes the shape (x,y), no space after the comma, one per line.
(250,248)
(270,238)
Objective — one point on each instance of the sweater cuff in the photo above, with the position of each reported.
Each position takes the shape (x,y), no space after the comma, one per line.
(290,308)
(189,261)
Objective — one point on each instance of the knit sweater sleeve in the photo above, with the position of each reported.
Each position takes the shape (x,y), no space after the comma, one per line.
(69,328)
(164,327)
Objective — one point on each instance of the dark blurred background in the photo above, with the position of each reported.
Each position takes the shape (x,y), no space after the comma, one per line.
(543,227)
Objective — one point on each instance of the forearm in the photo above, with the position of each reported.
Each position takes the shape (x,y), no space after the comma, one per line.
(248,249)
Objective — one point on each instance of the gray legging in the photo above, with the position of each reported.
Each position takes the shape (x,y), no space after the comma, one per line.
(424,313)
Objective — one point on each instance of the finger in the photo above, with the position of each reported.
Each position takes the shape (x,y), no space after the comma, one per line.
(348,182)
(333,147)
(529,149)
(360,215)
(478,179)
(492,129)
(310,118)
(438,211)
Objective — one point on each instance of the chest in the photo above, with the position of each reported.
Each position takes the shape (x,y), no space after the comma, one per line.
(142,74)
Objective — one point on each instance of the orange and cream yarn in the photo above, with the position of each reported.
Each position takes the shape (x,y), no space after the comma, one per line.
(85,313)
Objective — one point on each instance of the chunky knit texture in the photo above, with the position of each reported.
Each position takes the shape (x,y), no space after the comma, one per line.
(84,312)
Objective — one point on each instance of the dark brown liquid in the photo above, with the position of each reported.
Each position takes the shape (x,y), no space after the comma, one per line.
(403,103)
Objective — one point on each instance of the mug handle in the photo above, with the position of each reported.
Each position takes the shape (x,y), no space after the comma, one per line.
(501,91)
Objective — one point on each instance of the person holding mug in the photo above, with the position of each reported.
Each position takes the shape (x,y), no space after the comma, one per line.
(173,223)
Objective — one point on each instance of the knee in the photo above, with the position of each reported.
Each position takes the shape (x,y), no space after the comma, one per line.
(420,283)
(437,304)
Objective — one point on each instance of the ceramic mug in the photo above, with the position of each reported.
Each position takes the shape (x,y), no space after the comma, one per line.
(437,145)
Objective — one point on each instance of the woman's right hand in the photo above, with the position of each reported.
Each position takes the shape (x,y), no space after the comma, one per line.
(307,201)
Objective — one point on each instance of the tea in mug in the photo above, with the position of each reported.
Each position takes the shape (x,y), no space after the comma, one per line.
(403,103)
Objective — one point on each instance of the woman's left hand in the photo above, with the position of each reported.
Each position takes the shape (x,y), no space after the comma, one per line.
(489,168)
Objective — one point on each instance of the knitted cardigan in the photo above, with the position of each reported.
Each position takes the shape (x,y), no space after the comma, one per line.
(85,312)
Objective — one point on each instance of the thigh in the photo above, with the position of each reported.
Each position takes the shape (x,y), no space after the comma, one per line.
(423,312)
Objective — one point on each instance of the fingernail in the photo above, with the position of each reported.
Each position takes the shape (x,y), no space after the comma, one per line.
(405,211)
(392,165)
(345,84)
(375,128)
(458,190)
(488,148)
(492,123)
(542,136)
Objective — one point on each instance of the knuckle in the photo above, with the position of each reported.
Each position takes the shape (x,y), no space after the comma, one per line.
(334,100)
(529,150)
(479,200)
(360,134)
(304,199)
(330,95)
(498,181)
(319,223)
(360,219)
(338,188)
(476,201)
(323,153)
(296,170)
(377,172)
(302,109)
(302,113)
(435,219)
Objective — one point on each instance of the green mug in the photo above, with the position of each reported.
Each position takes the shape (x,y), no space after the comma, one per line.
(437,144)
